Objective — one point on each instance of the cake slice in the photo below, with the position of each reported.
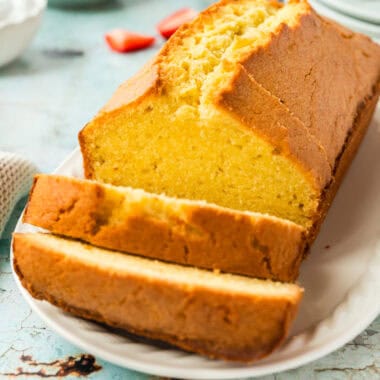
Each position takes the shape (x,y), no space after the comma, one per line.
(175,230)
(251,106)
(219,315)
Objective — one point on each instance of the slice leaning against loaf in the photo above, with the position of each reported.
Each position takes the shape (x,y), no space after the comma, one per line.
(219,315)
(175,230)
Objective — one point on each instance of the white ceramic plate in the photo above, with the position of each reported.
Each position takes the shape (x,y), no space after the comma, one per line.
(367,10)
(341,280)
(360,26)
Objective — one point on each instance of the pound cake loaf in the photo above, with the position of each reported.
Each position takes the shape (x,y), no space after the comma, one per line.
(218,315)
(253,106)
(176,230)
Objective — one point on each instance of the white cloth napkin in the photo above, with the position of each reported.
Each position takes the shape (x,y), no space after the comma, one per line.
(16,175)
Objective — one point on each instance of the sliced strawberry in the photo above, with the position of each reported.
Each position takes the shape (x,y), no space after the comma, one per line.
(122,41)
(171,23)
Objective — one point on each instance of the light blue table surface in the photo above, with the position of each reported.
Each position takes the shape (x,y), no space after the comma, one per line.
(45,98)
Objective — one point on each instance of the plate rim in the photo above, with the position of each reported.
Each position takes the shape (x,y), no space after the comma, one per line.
(358,25)
(242,371)
(350,10)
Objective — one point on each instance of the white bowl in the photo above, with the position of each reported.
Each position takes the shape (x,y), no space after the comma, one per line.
(18,27)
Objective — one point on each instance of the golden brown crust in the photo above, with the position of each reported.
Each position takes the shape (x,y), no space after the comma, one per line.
(191,233)
(321,72)
(144,83)
(343,162)
(86,154)
(272,119)
(229,325)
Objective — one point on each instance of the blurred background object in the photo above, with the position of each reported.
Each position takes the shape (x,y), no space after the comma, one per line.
(75,3)
(19,22)
(16,176)
(361,16)
(367,10)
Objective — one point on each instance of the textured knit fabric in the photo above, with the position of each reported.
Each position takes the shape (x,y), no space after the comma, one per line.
(16,176)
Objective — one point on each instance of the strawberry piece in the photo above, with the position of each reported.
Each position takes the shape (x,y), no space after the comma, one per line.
(171,23)
(122,41)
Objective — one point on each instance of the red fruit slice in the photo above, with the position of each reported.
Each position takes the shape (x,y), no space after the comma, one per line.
(122,41)
(171,23)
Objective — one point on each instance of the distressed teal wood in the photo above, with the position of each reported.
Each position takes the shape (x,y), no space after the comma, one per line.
(45,98)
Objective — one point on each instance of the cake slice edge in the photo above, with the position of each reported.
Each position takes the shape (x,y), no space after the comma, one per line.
(218,315)
(166,228)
